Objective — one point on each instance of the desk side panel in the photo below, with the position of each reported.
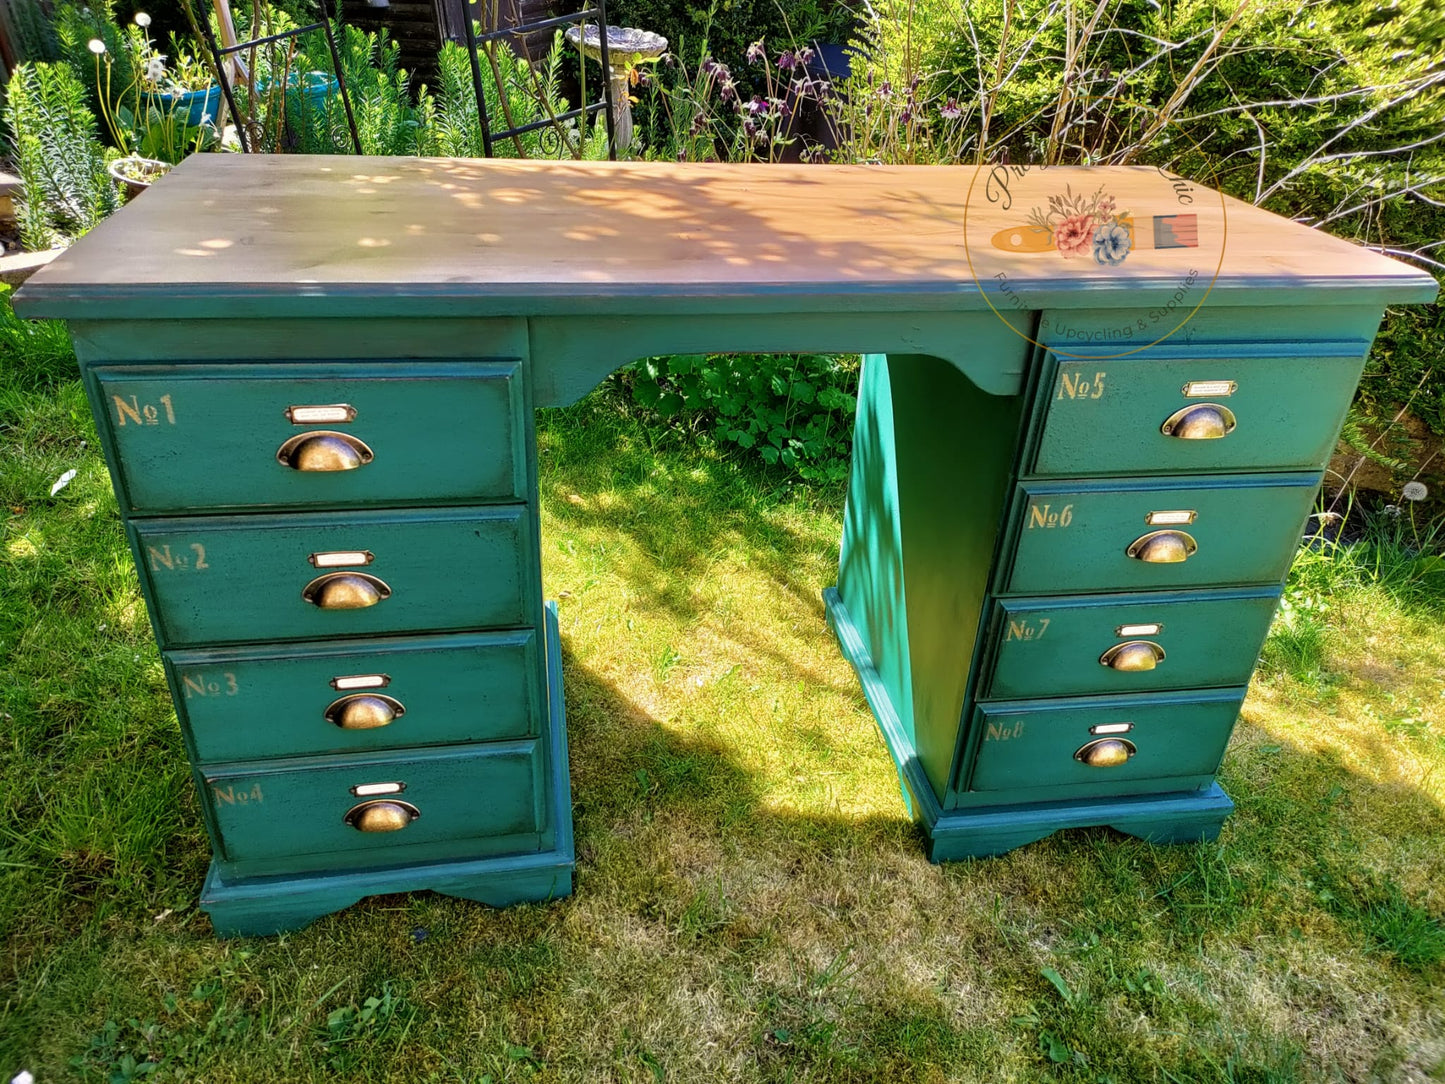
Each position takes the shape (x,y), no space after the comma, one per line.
(956,449)
(870,563)
(932,460)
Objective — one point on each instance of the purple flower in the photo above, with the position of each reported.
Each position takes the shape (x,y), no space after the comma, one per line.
(756,54)
(906,116)
(805,56)
(750,126)
(709,66)
(699,124)
(885,89)
(950,110)
(758,105)
(728,91)
(787,60)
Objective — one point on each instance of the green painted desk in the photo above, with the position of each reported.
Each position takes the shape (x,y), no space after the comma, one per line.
(1089,432)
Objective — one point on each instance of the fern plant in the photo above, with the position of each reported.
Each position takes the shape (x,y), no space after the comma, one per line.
(61,161)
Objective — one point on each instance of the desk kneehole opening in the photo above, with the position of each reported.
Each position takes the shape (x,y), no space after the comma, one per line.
(345,591)
(388,815)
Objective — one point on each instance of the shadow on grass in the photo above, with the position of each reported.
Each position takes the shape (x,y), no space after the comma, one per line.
(602,474)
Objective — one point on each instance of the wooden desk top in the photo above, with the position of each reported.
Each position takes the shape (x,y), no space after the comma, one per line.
(230,234)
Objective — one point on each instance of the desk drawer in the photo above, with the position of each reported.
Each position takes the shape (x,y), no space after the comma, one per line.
(1192,532)
(1127,644)
(1027,744)
(1282,412)
(379,433)
(301,807)
(344,697)
(245,578)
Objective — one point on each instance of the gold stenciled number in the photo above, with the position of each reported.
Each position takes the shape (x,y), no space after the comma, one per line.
(231,794)
(1024,629)
(1043,515)
(162,557)
(201,685)
(1004,731)
(1076,385)
(135,412)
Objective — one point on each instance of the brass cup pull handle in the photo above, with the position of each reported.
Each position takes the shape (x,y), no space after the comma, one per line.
(1200,421)
(1133,656)
(324,450)
(1163,547)
(364,711)
(345,591)
(382,816)
(1106,752)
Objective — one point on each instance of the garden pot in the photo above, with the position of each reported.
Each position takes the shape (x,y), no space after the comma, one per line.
(137,173)
(190,105)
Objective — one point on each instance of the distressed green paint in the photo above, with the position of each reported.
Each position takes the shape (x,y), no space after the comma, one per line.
(1053,646)
(1074,536)
(230,579)
(255,703)
(205,437)
(287,808)
(1031,743)
(1103,416)
(922,519)
(959,439)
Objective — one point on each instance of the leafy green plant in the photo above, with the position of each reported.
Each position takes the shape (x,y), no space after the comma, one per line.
(60,160)
(76,26)
(516,92)
(142,116)
(1327,113)
(795,410)
(380,90)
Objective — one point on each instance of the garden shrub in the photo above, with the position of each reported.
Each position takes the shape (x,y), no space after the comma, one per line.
(532,93)
(725,28)
(60,160)
(1326,112)
(795,410)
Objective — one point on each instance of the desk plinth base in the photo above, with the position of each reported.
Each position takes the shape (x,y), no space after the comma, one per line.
(979,832)
(267,905)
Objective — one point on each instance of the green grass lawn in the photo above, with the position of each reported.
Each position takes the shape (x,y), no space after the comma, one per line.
(751,902)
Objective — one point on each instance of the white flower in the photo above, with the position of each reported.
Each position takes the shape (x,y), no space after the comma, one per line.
(156,68)
(23,1077)
(1415,491)
(142,19)
(97,46)
(61,482)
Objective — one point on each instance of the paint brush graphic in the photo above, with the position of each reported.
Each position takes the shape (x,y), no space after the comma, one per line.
(1163,231)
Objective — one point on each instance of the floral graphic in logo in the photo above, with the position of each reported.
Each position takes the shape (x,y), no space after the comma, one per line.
(1081,225)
